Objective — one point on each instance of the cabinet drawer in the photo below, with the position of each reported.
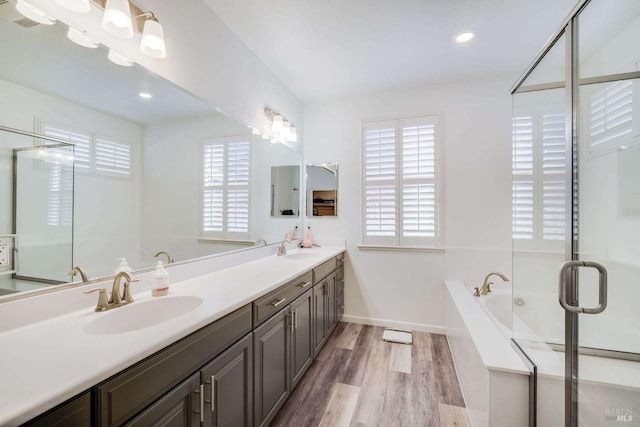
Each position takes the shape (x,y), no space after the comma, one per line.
(324,269)
(128,393)
(273,302)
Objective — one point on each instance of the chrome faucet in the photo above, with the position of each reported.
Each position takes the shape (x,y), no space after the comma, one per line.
(126,298)
(169,259)
(282,250)
(486,285)
(81,271)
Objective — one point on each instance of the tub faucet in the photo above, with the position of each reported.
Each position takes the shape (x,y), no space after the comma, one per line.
(486,286)
(282,250)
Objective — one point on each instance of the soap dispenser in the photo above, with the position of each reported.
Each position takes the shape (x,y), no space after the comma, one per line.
(307,242)
(161,281)
(123,266)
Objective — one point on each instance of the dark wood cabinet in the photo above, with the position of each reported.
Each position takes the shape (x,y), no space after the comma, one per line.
(228,387)
(301,336)
(181,407)
(74,413)
(319,316)
(271,367)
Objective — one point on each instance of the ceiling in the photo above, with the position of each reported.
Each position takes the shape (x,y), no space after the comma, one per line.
(334,48)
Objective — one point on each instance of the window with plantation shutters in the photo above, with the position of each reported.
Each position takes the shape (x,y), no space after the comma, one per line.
(60,203)
(226,180)
(611,115)
(539,214)
(94,154)
(401,191)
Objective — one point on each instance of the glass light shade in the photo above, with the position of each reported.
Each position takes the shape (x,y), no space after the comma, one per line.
(117,18)
(278,125)
(293,137)
(118,58)
(79,6)
(152,43)
(286,128)
(81,38)
(30,11)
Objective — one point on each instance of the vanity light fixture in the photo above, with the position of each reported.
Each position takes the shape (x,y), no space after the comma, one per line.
(277,127)
(464,37)
(81,38)
(79,6)
(117,18)
(145,95)
(152,43)
(35,14)
(118,58)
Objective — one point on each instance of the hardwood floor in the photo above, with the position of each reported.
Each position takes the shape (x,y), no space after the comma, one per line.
(361,381)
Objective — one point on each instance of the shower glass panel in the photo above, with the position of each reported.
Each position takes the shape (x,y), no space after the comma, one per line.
(539,194)
(609,211)
(43,212)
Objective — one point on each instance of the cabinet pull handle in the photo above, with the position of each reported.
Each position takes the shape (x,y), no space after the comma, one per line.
(295,319)
(304,285)
(201,393)
(277,303)
(213,393)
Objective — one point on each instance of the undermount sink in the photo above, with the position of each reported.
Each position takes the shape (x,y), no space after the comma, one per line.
(301,255)
(138,315)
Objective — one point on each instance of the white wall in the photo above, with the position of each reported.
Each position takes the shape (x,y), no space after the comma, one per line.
(106,210)
(406,288)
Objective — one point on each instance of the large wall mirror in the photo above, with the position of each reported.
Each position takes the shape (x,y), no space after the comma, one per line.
(115,174)
(322,190)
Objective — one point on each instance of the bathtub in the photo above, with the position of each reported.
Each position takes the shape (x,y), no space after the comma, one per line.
(493,377)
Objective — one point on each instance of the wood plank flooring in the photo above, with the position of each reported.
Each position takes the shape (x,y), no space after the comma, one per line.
(358,380)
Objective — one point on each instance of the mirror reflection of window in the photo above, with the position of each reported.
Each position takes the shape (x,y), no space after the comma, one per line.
(322,190)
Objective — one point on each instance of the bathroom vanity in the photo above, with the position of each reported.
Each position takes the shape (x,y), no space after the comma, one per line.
(232,360)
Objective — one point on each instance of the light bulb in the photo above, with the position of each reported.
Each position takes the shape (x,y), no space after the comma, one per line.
(37,15)
(152,43)
(79,6)
(117,18)
(464,37)
(81,38)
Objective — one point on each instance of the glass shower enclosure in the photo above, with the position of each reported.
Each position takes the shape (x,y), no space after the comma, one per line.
(576,218)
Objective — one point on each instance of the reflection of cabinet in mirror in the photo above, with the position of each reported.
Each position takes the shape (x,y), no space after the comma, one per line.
(324,202)
(322,189)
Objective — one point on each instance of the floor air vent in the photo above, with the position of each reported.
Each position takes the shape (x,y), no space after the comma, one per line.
(393,335)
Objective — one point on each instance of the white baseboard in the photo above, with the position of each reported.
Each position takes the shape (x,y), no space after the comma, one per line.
(406,326)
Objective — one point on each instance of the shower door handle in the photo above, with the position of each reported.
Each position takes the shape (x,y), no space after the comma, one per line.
(602,286)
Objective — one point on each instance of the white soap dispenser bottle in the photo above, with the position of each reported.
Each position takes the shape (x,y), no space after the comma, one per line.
(161,281)
(123,266)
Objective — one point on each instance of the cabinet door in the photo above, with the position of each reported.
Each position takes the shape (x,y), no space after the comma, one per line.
(319,316)
(181,407)
(301,336)
(271,367)
(228,384)
(331,304)
(75,413)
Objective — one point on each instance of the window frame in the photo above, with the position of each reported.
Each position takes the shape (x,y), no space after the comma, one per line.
(225,234)
(399,240)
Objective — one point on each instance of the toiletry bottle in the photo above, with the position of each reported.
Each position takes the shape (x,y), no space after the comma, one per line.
(161,281)
(307,242)
(123,266)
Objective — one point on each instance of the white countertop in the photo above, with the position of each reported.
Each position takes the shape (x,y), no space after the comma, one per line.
(45,363)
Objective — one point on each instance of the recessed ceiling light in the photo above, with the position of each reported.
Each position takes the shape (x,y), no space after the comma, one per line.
(145,95)
(464,37)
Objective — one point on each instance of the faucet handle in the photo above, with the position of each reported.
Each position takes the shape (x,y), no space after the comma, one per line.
(126,294)
(489,286)
(103,304)
(476,292)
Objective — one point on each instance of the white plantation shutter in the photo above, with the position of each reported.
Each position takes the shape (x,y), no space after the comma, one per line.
(539,173)
(60,203)
(80,140)
(225,202)
(112,158)
(401,198)
(611,114)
